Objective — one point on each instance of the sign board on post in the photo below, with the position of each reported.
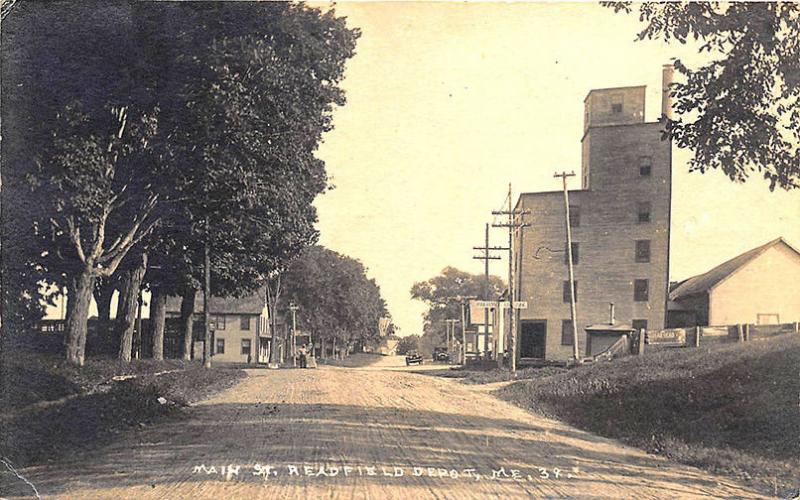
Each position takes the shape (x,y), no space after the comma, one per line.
(671,336)
(520,305)
(486,304)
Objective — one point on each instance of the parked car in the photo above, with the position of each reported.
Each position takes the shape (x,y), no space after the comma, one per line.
(441,354)
(413,358)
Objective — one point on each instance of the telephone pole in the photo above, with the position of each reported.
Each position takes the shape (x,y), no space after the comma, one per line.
(575,350)
(293,307)
(514,224)
(486,257)
(206,299)
(451,334)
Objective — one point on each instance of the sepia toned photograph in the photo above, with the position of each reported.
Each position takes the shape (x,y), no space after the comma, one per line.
(399,249)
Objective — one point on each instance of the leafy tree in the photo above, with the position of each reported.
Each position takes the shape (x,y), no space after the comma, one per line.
(94,181)
(81,57)
(442,295)
(338,302)
(243,92)
(739,112)
(250,89)
(408,344)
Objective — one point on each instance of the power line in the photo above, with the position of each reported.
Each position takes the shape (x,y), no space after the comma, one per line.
(514,224)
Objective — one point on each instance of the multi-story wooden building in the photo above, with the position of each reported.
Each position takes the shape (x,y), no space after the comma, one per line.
(240,326)
(620,222)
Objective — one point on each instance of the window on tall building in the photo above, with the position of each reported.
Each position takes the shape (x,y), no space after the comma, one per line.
(566,291)
(220,346)
(639,324)
(574,215)
(640,290)
(566,332)
(645,166)
(246,347)
(616,107)
(644,212)
(244,323)
(642,250)
(575,253)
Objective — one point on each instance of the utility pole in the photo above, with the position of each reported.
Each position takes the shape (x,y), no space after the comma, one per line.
(513,225)
(293,307)
(451,333)
(206,294)
(575,350)
(486,257)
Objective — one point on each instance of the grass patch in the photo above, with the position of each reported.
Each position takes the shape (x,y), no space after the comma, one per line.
(51,409)
(487,373)
(729,409)
(357,360)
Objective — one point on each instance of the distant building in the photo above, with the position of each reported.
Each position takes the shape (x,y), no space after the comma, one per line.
(620,221)
(761,286)
(240,327)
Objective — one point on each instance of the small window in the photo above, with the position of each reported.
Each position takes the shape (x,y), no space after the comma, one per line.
(246,347)
(566,291)
(220,346)
(616,108)
(643,212)
(218,322)
(575,253)
(645,170)
(640,290)
(639,324)
(566,332)
(642,250)
(574,216)
(244,323)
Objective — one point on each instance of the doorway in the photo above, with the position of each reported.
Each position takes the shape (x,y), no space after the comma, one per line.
(263,350)
(532,338)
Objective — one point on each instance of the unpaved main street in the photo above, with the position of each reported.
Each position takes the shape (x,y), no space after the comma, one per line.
(380,432)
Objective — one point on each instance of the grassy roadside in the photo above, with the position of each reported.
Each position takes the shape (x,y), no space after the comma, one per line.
(487,373)
(732,409)
(356,360)
(49,409)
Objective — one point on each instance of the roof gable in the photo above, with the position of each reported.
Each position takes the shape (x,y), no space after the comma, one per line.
(249,304)
(706,281)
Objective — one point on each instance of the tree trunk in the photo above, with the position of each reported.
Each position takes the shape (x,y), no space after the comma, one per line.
(131,284)
(321,353)
(334,348)
(187,313)
(103,293)
(79,300)
(158,315)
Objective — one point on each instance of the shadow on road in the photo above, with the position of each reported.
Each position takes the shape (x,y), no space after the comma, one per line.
(325,434)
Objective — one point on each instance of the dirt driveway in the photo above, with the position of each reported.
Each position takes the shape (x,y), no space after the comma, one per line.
(380,432)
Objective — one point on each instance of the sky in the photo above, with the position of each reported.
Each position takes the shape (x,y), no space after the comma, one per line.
(448,103)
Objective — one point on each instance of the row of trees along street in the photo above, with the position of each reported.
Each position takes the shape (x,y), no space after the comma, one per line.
(338,303)
(139,135)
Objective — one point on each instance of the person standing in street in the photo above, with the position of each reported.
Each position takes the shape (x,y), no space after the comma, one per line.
(303,354)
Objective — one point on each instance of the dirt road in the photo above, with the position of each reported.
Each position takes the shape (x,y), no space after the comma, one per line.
(367,433)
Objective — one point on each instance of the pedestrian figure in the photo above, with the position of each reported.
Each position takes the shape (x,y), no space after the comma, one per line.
(303,353)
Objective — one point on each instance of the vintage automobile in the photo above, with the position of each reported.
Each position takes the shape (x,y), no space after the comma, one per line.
(441,354)
(413,358)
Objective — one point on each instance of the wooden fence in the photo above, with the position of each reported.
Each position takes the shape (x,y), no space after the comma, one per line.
(705,335)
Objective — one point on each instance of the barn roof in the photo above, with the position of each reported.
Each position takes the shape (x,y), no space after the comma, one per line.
(249,304)
(706,281)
